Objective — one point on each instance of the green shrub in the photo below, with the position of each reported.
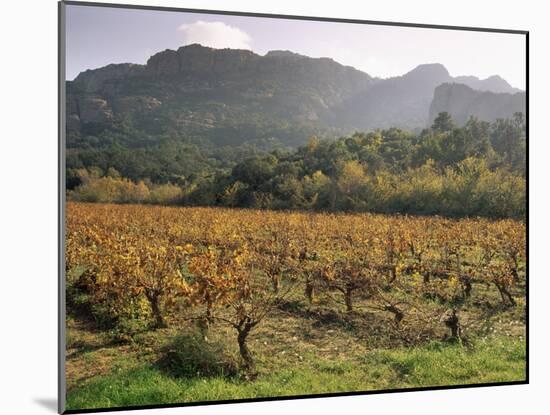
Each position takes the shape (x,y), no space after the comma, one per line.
(190,355)
(125,328)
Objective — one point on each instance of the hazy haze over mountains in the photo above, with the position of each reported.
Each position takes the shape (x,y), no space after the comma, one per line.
(230,96)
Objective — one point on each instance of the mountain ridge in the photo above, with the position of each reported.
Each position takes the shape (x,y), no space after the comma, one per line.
(493,83)
(206,92)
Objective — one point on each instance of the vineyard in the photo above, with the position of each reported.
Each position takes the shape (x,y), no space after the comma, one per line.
(204,292)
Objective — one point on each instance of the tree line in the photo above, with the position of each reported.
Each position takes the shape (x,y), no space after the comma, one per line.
(477,169)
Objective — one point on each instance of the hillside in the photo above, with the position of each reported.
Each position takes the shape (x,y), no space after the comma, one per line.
(228,97)
(461,102)
(221,96)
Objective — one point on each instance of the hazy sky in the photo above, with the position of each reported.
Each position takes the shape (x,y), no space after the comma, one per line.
(98,36)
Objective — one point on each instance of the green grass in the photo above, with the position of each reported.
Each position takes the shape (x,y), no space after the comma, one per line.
(496,359)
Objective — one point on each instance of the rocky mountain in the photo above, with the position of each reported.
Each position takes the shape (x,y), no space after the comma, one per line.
(461,102)
(405,101)
(229,96)
(217,94)
(401,101)
(492,84)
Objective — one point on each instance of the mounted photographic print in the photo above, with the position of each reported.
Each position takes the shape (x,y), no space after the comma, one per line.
(258,207)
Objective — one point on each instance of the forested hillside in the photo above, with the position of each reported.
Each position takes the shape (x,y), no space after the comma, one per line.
(477,169)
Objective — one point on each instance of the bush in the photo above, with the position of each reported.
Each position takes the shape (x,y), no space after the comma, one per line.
(123,316)
(111,190)
(190,355)
(165,194)
(127,327)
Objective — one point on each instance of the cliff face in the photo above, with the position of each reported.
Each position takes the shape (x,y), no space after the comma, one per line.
(216,93)
(462,102)
(281,85)
(95,80)
(201,61)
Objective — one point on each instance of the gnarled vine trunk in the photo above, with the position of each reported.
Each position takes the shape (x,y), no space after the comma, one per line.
(310,291)
(154,301)
(466,282)
(243,330)
(505,294)
(398,314)
(348,298)
(452,321)
(276,283)
(426,277)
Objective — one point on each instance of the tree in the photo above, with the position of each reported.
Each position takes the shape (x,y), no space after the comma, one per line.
(443,123)
(255,171)
(351,182)
(508,139)
(316,189)
(112,172)
(233,194)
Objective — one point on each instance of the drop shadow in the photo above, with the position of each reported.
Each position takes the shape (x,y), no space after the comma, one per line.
(48,403)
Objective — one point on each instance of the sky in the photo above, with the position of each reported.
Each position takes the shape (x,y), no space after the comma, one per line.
(98,36)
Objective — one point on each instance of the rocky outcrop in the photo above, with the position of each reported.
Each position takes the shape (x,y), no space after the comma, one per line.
(94,80)
(163,63)
(196,60)
(461,102)
(136,104)
(94,110)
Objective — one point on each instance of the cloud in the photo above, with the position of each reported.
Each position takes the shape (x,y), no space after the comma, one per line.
(216,35)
